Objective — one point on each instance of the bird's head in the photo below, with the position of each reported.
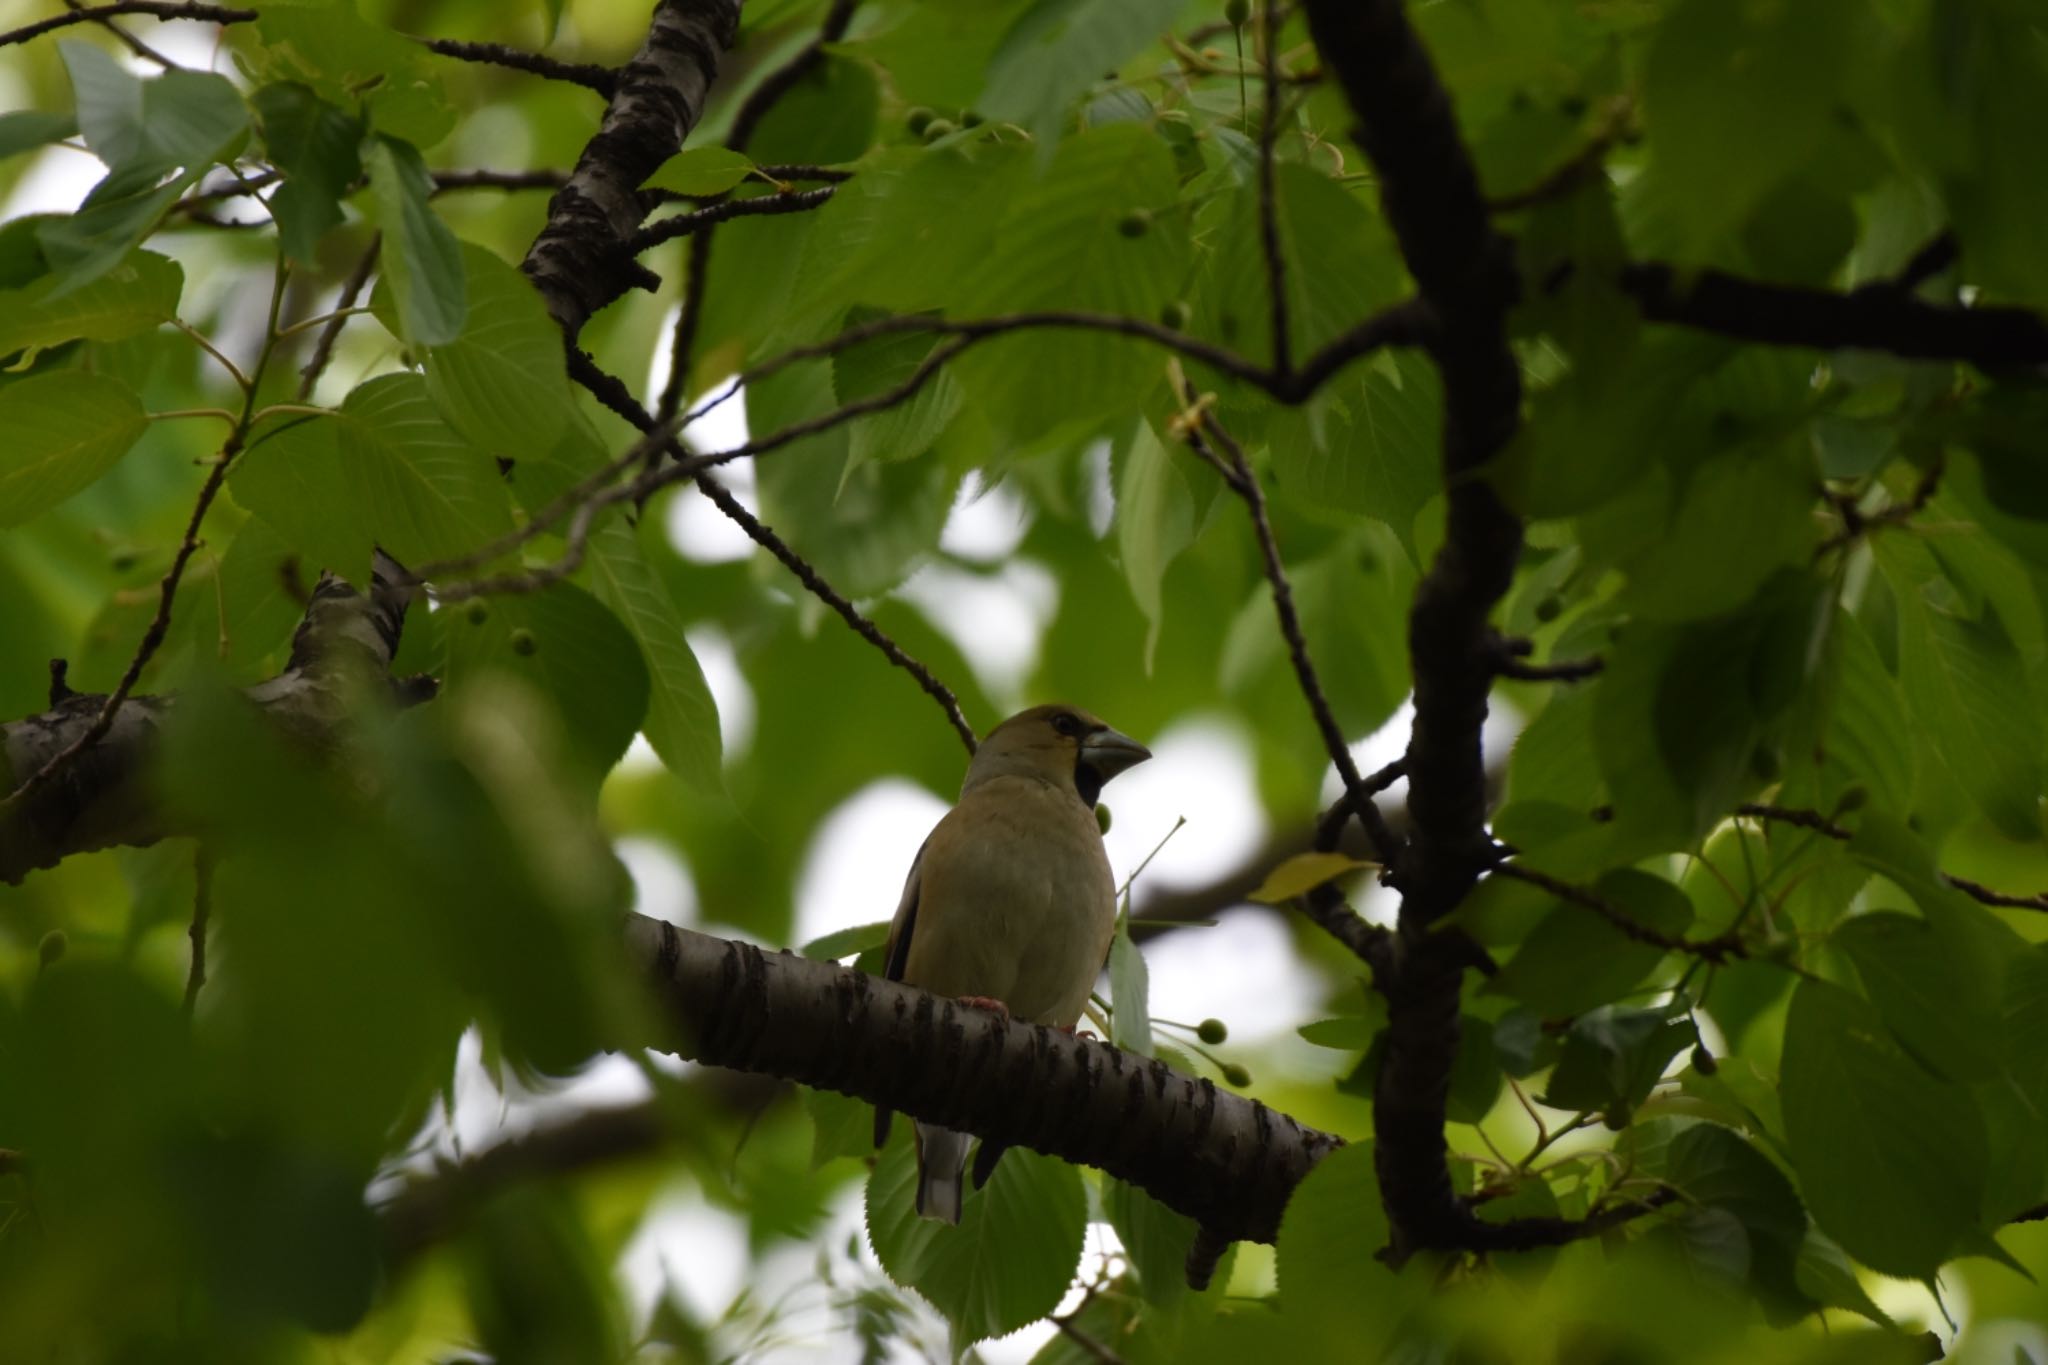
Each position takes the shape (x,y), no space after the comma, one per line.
(1059,744)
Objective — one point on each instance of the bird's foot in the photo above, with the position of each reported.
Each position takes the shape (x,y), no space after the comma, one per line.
(1087,1033)
(984,1002)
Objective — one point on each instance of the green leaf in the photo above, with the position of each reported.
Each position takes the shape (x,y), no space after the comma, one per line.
(135,296)
(1353,605)
(910,428)
(1926,992)
(502,383)
(420,256)
(1328,1253)
(1369,442)
(351,63)
(1065,243)
(682,717)
(180,120)
(827,117)
(1302,873)
(1575,960)
(1861,719)
(1736,97)
(1475,1072)
(1714,1168)
(840,1125)
(1967,686)
(1827,1275)
(701,171)
(864,528)
(1859,1117)
(1342,266)
(1008,1260)
(428,493)
(575,653)
(293,477)
(1058,48)
(23,130)
(318,147)
(845,943)
(64,430)
(1155,520)
(1154,1237)
(1613,1056)
(1130,1022)
(1733,523)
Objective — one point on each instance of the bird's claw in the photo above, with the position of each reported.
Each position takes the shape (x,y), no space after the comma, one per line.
(984,1002)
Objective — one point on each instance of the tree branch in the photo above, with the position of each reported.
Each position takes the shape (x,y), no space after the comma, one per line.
(1225,1161)
(1876,317)
(683,224)
(344,642)
(161,9)
(602,79)
(579,262)
(1431,195)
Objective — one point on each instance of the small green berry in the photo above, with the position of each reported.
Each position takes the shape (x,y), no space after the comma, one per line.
(1549,608)
(970,119)
(1703,1061)
(1102,818)
(1176,315)
(1136,223)
(1212,1031)
(918,119)
(1236,12)
(53,946)
(1233,1074)
(476,613)
(523,643)
(938,128)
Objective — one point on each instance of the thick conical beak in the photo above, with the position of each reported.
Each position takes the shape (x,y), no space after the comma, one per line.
(1109,752)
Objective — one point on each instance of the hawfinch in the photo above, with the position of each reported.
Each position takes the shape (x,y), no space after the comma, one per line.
(1010,904)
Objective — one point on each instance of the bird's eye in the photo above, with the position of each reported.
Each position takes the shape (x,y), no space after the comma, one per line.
(1066,724)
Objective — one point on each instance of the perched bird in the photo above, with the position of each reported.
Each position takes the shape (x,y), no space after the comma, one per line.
(1010,904)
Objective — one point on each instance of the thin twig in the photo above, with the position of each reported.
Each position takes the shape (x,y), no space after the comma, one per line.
(543,179)
(351,290)
(683,224)
(162,9)
(1269,226)
(602,79)
(1571,670)
(127,39)
(202,911)
(1089,1346)
(1590,160)
(1716,950)
(613,394)
(1386,843)
(160,623)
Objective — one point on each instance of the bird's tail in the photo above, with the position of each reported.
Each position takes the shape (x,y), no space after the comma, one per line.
(941,1157)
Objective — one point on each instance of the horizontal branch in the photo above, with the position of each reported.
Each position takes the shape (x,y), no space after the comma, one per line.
(1228,1162)
(602,79)
(161,9)
(1876,317)
(682,224)
(1821,824)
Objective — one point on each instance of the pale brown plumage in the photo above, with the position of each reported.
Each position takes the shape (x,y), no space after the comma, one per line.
(1011,898)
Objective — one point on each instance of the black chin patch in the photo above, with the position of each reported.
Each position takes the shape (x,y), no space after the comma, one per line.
(1087,782)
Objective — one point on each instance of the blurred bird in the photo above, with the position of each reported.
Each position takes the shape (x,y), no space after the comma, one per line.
(1010,904)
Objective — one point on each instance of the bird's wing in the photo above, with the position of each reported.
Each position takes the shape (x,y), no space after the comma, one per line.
(896,954)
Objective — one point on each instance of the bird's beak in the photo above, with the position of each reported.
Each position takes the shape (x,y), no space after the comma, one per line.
(1109,752)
